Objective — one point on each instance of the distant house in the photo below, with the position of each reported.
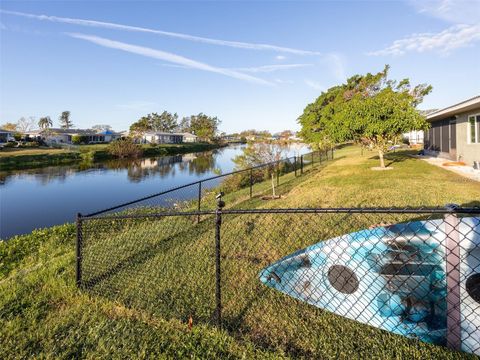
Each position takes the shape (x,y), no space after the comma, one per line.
(64,136)
(6,136)
(414,137)
(159,137)
(162,138)
(455,132)
(189,138)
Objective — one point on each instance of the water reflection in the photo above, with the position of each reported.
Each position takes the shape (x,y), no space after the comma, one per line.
(138,169)
(49,196)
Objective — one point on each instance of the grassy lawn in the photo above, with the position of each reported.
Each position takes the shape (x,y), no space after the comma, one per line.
(146,278)
(9,152)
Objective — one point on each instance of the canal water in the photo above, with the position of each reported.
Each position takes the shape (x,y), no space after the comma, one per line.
(43,197)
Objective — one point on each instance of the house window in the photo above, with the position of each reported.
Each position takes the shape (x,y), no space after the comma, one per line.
(474,129)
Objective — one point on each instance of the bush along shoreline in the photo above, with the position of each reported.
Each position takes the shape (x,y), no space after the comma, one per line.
(89,153)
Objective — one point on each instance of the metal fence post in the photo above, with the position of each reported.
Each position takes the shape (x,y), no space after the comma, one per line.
(295,165)
(199,200)
(218,278)
(452,251)
(278,174)
(332,153)
(312,158)
(320,155)
(251,182)
(301,164)
(78,251)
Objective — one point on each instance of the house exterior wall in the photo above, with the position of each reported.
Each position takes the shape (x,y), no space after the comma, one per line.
(189,138)
(444,141)
(414,137)
(466,152)
(162,138)
(5,136)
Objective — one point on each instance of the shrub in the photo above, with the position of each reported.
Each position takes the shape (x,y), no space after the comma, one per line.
(10,144)
(124,148)
(17,136)
(79,139)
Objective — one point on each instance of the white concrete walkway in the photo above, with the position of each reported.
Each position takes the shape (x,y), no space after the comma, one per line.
(466,171)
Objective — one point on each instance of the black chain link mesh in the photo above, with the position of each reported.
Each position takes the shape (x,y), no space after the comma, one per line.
(237,186)
(305,281)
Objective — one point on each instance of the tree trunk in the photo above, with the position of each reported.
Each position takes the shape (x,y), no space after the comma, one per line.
(382,162)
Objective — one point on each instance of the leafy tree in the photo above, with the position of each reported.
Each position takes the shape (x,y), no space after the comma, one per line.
(255,154)
(369,108)
(102,127)
(184,125)
(204,126)
(9,126)
(137,129)
(45,122)
(164,122)
(64,119)
(25,124)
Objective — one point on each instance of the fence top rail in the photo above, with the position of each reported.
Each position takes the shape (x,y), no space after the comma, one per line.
(369,210)
(366,210)
(116,207)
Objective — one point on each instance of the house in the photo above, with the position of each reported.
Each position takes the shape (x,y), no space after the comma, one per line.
(189,138)
(6,136)
(162,138)
(414,137)
(455,132)
(64,136)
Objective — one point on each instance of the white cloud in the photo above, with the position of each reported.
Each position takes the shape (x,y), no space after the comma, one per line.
(454,37)
(271,68)
(281,81)
(455,11)
(169,57)
(280,57)
(108,25)
(314,85)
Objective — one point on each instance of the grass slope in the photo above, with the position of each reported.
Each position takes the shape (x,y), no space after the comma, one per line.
(169,262)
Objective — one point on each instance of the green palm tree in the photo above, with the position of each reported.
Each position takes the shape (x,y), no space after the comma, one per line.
(45,122)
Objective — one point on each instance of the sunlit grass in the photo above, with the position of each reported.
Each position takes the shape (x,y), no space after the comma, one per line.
(145,278)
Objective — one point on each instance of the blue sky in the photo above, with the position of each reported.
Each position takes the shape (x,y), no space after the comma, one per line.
(112,62)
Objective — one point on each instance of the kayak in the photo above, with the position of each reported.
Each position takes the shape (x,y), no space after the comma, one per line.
(417,279)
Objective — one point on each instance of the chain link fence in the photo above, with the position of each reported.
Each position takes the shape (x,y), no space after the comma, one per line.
(237,186)
(304,282)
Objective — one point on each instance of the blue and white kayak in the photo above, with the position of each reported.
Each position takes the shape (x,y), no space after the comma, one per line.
(402,278)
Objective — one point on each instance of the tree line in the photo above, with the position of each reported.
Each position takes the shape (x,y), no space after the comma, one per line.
(203,126)
(25,124)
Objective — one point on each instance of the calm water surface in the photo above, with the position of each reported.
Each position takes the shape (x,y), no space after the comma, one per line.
(43,197)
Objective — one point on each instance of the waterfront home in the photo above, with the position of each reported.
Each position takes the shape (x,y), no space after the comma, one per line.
(189,138)
(455,132)
(65,136)
(414,137)
(159,137)
(6,136)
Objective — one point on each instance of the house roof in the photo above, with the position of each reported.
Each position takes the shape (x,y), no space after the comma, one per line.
(70,132)
(6,131)
(168,133)
(466,105)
